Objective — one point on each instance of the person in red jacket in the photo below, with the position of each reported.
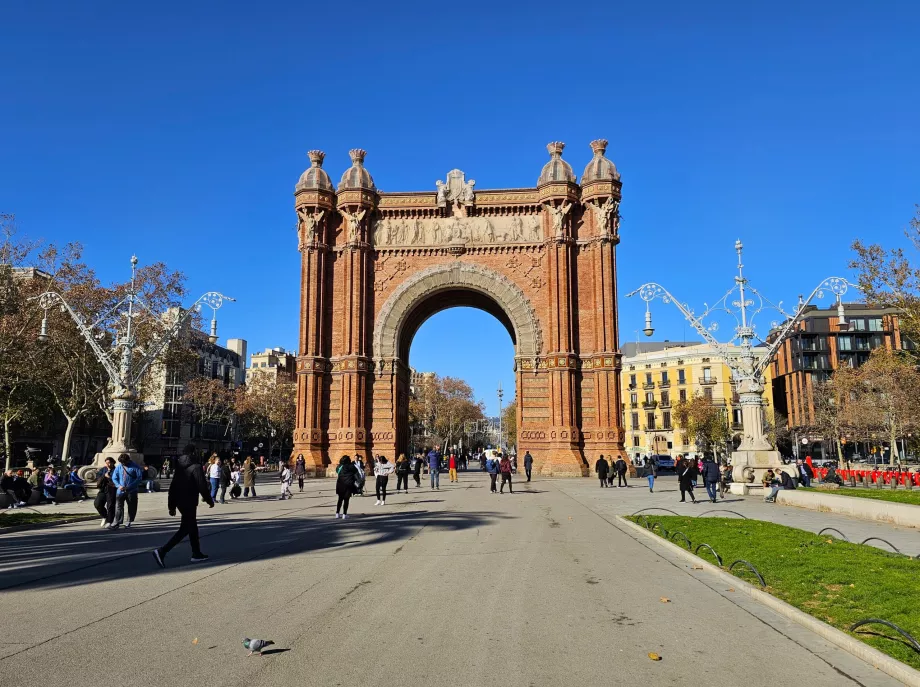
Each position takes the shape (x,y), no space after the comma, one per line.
(504,467)
(452,466)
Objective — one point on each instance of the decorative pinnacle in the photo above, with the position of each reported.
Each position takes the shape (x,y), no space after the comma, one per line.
(599,146)
(316,157)
(555,148)
(357,156)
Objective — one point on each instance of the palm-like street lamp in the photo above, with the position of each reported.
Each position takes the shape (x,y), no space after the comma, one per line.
(123,370)
(743,302)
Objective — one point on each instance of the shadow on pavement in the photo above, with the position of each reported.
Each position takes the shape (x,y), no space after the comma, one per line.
(70,556)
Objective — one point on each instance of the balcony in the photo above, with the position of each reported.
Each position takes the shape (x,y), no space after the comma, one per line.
(737,426)
(665,404)
(681,380)
(650,405)
(634,405)
(705,381)
(665,384)
(648,386)
(632,387)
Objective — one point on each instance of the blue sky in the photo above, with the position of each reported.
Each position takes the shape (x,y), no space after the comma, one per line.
(177,131)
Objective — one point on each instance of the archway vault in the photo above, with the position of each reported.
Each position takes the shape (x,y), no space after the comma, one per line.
(375,266)
(448,285)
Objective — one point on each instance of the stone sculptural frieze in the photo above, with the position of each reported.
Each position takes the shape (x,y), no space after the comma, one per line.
(445,230)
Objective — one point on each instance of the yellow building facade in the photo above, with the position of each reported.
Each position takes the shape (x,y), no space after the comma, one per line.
(658,375)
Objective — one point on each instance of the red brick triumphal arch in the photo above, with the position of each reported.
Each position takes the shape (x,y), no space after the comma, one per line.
(375,266)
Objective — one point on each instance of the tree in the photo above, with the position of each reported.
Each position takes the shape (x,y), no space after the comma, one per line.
(443,406)
(703,423)
(509,423)
(888,386)
(211,402)
(888,278)
(267,409)
(835,407)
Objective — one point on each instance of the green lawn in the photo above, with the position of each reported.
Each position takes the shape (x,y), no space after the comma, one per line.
(19,517)
(885,494)
(833,580)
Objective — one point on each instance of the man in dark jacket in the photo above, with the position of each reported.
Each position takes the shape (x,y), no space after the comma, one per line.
(601,467)
(711,476)
(804,472)
(622,467)
(187,485)
(785,480)
(528,464)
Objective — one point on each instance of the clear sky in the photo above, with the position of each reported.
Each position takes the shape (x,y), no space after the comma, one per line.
(177,131)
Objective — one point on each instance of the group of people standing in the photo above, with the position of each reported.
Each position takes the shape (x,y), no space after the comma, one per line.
(605,471)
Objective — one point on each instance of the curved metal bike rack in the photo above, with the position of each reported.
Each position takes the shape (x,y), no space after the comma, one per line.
(684,536)
(664,509)
(722,510)
(878,621)
(664,532)
(714,552)
(645,525)
(833,529)
(750,567)
(884,540)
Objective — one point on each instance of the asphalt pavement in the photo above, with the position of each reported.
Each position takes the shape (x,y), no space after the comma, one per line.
(449,587)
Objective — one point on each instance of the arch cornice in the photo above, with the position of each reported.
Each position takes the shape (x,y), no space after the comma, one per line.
(431,280)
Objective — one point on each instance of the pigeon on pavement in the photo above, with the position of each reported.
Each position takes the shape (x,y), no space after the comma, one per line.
(256,645)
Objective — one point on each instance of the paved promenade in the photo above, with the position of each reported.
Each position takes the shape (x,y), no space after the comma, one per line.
(456,587)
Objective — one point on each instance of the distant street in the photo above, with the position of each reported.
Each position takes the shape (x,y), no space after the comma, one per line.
(452,587)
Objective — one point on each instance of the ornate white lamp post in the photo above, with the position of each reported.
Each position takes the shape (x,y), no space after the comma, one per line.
(754,455)
(500,432)
(123,370)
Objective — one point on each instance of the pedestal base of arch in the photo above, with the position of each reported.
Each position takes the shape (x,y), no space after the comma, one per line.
(565,460)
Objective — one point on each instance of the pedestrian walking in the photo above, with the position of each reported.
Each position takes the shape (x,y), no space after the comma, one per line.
(417,474)
(686,474)
(711,476)
(504,467)
(127,477)
(601,467)
(213,473)
(492,468)
(650,470)
(287,477)
(105,493)
(402,473)
(249,477)
(188,484)
(622,468)
(452,468)
(528,464)
(345,486)
(434,468)
(300,470)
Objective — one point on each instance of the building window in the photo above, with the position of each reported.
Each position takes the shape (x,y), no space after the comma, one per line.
(649,396)
(650,420)
(736,416)
(664,377)
(683,394)
(845,343)
(707,393)
(648,378)
(632,381)
(635,420)
(635,441)
(681,377)
(666,420)
(634,398)
(707,374)
(665,398)
(875,324)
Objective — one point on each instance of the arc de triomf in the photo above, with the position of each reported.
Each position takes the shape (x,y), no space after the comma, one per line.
(375,266)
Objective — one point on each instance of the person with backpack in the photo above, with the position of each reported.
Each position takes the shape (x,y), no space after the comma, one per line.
(402,473)
(382,470)
(711,476)
(287,477)
(492,469)
(188,484)
(127,478)
(345,486)
(504,468)
(650,471)
(300,471)
(622,468)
